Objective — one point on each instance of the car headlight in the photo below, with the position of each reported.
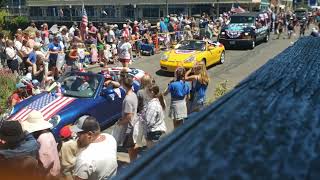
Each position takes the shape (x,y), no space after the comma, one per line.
(164,57)
(223,33)
(55,120)
(246,34)
(190,59)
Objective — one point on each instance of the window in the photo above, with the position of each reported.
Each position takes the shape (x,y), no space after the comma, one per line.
(199,9)
(76,11)
(35,11)
(177,11)
(89,10)
(66,12)
(129,11)
(110,10)
(151,12)
(52,11)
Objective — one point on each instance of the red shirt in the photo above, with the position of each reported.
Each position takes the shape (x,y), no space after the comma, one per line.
(15,97)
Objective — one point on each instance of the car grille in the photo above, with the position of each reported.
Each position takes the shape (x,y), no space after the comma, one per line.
(233,34)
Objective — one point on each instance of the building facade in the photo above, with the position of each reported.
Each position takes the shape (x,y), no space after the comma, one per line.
(17,7)
(121,10)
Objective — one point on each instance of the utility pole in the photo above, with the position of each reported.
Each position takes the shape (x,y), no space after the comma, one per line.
(218,9)
(167,7)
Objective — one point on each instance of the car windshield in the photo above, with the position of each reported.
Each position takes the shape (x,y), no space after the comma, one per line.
(79,85)
(192,45)
(242,19)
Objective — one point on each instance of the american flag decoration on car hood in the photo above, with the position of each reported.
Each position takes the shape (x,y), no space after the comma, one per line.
(48,105)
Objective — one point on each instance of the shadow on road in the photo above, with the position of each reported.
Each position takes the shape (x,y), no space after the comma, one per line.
(164,73)
(241,48)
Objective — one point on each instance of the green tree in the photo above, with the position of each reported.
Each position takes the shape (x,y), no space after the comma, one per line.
(3,14)
(3,3)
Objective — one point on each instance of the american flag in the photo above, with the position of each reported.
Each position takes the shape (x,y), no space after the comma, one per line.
(84,16)
(48,105)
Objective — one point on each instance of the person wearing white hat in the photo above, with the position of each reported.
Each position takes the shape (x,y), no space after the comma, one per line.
(48,152)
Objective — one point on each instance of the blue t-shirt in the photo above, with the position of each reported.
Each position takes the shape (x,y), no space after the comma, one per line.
(163,27)
(199,91)
(178,90)
(32,57)
(54,47)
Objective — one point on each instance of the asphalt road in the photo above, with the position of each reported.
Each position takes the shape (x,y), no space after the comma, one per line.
(239,63)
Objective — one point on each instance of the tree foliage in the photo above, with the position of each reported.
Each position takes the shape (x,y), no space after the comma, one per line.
(3,3)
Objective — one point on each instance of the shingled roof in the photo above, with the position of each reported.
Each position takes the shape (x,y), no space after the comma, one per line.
(268,127)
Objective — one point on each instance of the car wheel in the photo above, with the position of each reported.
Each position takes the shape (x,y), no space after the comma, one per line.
(222,57)
(266,39)
(204,61)
(253,44)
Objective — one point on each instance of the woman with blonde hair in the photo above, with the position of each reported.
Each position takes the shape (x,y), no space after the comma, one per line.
(144,97)
(199,78)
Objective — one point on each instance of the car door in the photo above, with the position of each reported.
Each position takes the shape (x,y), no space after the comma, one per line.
(214,53)
(108,105)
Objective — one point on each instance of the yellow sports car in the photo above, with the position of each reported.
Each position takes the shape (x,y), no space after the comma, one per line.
(189,52)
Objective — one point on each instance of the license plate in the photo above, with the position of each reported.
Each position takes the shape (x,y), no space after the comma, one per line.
(232,42)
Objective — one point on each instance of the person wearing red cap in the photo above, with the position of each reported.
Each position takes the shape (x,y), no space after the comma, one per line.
(68,152)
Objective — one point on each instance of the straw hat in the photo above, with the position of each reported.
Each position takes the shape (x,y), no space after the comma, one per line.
(35,122)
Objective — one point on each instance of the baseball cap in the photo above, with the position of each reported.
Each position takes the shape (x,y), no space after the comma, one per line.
(65,132)
(20,85)
(85,124)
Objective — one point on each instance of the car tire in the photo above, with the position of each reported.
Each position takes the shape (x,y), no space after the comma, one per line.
(266,39)
(222,57)
(204,61)
(253,44)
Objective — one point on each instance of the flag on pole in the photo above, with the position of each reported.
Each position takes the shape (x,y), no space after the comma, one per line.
(84,16)
(84,23)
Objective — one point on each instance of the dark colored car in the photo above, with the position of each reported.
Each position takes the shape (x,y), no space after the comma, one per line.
(301,15)
(245,29)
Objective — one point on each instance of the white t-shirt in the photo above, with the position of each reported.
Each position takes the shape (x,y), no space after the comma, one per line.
(18,45)
(11,53)
(124,52)
(111,36)
(98,160)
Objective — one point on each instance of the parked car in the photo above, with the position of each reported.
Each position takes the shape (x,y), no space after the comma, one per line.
(189,52)
(82,93)
(301,14)
(246,29)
